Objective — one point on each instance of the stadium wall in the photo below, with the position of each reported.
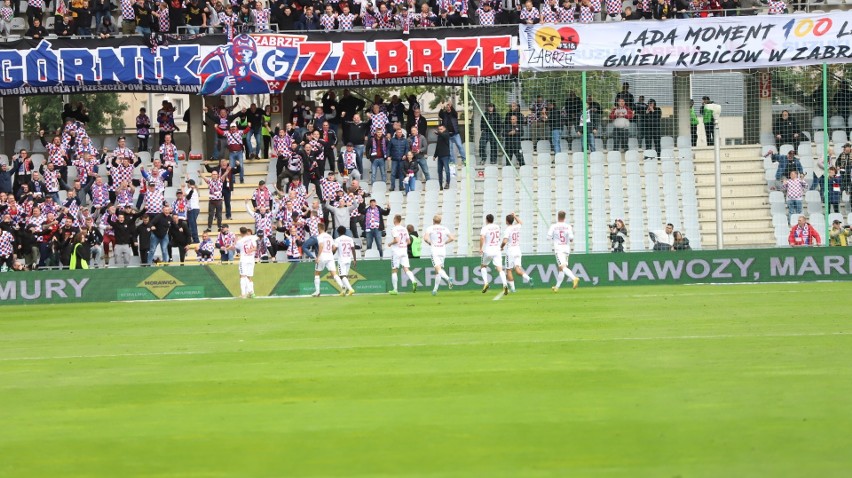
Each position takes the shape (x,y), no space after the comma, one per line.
(221,281)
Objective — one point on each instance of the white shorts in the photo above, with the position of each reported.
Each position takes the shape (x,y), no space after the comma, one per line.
(562,259)
(438,260)
(247,268)
(343,268)
(399,260)
(324,264)
(496,258)
(513,259)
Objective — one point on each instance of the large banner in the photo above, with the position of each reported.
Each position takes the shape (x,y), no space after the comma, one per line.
(258,63)
(215,281)
(728,43)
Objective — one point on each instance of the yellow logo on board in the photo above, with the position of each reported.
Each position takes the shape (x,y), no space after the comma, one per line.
(160,283)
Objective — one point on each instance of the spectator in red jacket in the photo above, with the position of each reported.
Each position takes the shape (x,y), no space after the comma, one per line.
(803,234)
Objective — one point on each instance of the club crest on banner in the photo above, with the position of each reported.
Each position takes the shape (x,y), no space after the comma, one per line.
(250,64)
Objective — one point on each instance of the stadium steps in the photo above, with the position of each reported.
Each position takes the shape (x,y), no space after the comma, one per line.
(747,221)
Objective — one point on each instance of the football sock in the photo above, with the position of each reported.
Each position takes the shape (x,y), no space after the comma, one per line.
(411,277)
(503,277)
(316,284)
(569,273)
(559,278)
(526,278)
(346,283)
(485,279)
(339,282)
(243,286)
(512,285)
(394,281)
(444,276)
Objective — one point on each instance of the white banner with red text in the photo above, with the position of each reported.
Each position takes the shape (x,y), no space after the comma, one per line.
(727,43)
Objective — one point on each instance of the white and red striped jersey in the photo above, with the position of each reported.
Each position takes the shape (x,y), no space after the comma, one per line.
(168,154)
(325,246)
(51,180)
(215,188)
(345,249)
(85,167)
(549,14)
(512,236)
(327,21)
(561,234)
(124,197)
(263,222)
(281,145)
(490,235)
(486,18)
(247,248)
(400,233)
(100,195)
(438,235)
(56,154)
(566,15)
(346,21)
(378,122)
(777,7)
(6,241)
(529,14)
(587,15)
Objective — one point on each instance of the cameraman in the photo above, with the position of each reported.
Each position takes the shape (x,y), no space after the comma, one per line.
(838,234)
(617,234)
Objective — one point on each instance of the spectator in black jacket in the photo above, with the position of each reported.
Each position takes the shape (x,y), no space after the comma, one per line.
(786,131)
(356,132)
(36,31)
(64,27)
(5,179)
(442,154)
(179,236)
(83,22)
(254,116)
(489,131)
(142,238)
(94,240)
(123,237)
(284,15)
(349,105)
(160,225)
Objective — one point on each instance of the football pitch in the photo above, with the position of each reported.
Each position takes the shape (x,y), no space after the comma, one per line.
(664,381)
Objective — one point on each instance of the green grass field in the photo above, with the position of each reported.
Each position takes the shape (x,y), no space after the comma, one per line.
(703,381)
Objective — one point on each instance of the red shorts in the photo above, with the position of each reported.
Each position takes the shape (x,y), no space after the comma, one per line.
(109,244)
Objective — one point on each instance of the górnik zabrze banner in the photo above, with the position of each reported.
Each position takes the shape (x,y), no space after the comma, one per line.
(258,63)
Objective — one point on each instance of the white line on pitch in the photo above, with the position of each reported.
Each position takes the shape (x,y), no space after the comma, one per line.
(449,344)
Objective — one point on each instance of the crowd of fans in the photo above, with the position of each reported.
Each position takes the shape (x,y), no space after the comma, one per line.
(105,18)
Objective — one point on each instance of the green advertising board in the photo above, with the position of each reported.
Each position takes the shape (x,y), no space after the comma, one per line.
(214,281)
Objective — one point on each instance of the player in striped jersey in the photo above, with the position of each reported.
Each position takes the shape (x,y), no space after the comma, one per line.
(246,246)
(562,236)
(399,254)
(489,247)
(345,258)
(325,259)
(438,236)
(512,239)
